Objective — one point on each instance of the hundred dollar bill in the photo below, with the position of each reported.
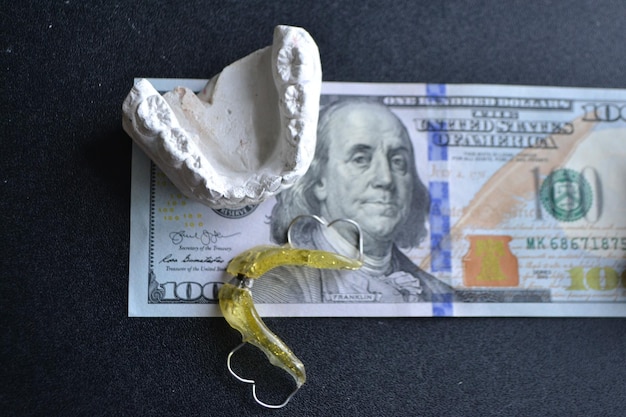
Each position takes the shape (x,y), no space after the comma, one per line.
(474,200)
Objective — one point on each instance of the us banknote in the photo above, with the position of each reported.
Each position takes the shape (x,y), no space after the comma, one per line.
(492,201)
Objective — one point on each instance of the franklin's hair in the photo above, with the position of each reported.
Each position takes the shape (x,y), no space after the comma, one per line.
(300,199)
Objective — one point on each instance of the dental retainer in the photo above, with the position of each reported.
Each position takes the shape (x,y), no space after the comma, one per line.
(237,305)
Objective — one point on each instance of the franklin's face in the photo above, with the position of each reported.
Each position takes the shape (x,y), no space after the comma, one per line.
(368,177)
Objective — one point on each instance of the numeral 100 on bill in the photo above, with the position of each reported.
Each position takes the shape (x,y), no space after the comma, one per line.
(597,278)
(604,112)
(189,291)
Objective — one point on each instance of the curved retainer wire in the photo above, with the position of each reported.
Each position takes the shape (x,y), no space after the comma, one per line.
(237,305)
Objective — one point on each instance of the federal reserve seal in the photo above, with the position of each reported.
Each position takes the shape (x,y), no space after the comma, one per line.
(236,213)
(566,195)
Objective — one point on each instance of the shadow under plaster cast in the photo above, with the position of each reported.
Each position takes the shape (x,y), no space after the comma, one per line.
(249,134)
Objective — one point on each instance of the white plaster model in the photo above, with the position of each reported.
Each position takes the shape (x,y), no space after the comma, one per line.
(249,134)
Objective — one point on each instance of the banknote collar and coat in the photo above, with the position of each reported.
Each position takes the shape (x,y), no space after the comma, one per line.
(390,279)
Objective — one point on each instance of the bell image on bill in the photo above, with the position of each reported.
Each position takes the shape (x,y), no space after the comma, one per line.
(490,263)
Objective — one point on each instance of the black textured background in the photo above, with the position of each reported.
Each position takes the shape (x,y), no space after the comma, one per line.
(68,347)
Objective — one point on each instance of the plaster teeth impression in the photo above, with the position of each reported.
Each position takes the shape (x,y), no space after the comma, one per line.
(249,134)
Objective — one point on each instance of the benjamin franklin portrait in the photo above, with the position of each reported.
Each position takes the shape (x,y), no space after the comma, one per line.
(364,170)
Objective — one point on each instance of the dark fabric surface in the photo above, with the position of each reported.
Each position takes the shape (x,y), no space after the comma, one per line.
(68,347)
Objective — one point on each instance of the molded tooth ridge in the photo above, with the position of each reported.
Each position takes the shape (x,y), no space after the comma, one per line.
(248,135)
